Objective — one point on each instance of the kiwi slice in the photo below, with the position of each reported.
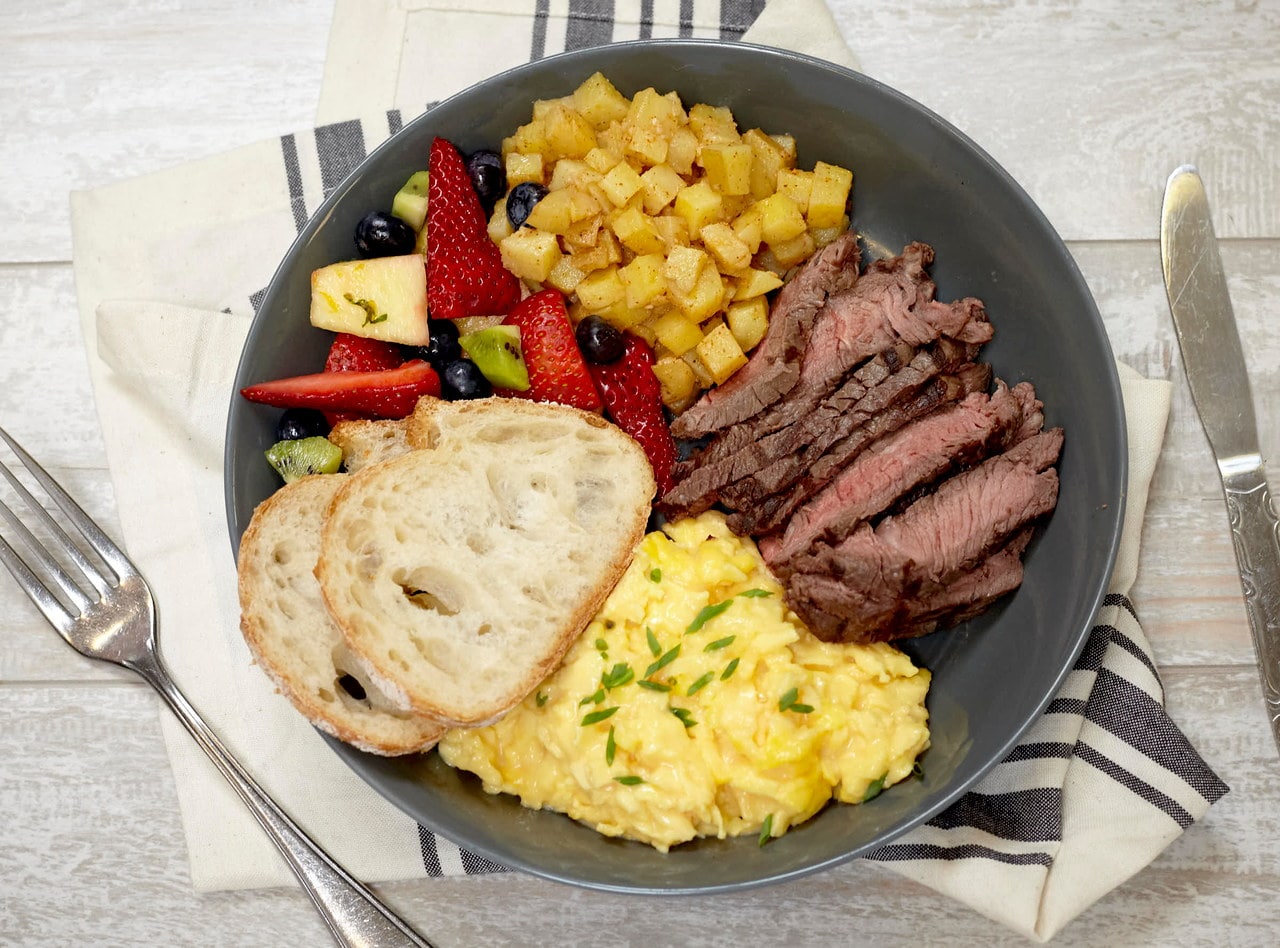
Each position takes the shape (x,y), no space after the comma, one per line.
(496,353)
(295,459)
(410,202)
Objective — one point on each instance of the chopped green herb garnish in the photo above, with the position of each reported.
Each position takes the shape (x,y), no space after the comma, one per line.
(595,717)
(371,314)
(653,685)
(706,614)
(701,683)
(719,643)
(610,748)
(541,698)
(667,658)
(729,670)
(874,789)
(602,645)
(617,676)
(788,702)
(766,830)
(595,698)
(630,780)
(685,716)
(755,593)
(654,645)
(655,575)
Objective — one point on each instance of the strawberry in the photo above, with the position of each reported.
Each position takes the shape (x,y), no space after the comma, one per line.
(465,276)
(557,371)
(387,393)
(633,398)
(357,354)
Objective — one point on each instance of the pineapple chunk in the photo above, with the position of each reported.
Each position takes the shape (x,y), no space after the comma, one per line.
(564,276)
(554,213)
(705,299)
(755,283)
(599,101)
(599,160)
(700,204)
(683,267)
(531,139)
(383,298)
(601,289)
(522,167)
(674,231)
(830,195)
(621,183)
(499,223)
(728,167)
(677,332)
(781,219)
(530,254)
(720,354)
(661,184)
(644,281)
(567,173)
(638,232)
(748,320)
(678,383)
(569,135)
(796,185)
(682,150)
(726,248)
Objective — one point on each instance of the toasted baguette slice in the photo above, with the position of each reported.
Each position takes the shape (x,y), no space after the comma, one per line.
(292,637)
(461,572)
(368,442)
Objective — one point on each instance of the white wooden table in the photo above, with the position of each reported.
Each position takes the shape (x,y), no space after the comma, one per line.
(1088,103)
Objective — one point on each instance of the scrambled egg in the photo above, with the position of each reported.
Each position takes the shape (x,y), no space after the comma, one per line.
(696,704)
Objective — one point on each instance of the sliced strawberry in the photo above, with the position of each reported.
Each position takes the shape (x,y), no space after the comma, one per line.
(350,353)
(557,371)
(465,276)
(633,398)
(388,393)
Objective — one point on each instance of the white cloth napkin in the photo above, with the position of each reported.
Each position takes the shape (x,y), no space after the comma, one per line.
(1093,793)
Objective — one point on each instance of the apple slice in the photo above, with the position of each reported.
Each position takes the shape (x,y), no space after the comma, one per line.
(383,298)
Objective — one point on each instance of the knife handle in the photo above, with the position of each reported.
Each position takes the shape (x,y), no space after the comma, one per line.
(1255,532)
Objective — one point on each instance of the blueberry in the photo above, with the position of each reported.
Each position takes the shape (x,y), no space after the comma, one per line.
(461,379)
(298,423)
(521,201)
(488,176)
(380,234)
(443,347)
(599,342)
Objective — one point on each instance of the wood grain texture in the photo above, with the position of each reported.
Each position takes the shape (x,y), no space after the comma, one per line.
(1088,103)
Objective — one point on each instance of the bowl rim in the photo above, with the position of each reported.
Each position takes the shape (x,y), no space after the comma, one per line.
(1107,378)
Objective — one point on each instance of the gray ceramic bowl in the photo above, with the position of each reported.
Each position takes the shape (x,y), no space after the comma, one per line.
(916,178)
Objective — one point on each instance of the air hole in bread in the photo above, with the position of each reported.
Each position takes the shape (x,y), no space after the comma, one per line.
(430,589)
(351,686)
(281,555)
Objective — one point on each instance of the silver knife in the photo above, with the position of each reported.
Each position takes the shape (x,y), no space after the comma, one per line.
(1211,355)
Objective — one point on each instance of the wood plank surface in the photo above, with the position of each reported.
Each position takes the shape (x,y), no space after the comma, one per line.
(1088,103)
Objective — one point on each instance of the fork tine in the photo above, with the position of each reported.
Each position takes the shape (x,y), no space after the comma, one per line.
(50,565)
(99,541)
(48,604)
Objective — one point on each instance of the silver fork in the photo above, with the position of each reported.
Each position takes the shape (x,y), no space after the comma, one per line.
(116,622)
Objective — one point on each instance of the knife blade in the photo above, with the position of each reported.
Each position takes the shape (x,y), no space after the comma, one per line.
(1214,362)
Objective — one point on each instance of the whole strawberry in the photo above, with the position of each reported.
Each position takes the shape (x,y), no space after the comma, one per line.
(557,372)
(633,398)
(465,276)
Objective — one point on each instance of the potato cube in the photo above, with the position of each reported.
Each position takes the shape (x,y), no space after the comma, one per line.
(682,149)
(674,231)
(678,383)
(531,139)
(582,206)
(765,260)
(644,281)
(796,250)
(599,101)
(613,140)
(727,249)
(700,204)
(796,185)
(661,184)
(600,289)
(700,372)
(651,112)
(749,226)
(755,283)
(728,167)
(712,124)
(564,276)
(569,135)
(677,332)
(683,267)
(566,173)
(781,219)
(621,183)
(720,354)
(825,235)
(648,146)
(606,251)
(748,320)
(553,213)
(830,195)
(705,299)
(768,160)
(788,145)
(530,254)
(499,223)
(522,167)
(637,231)
(599,160)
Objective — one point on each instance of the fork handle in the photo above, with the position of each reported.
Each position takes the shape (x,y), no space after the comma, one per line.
(355,916)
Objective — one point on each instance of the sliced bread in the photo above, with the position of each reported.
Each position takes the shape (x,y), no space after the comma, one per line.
(368,442)
(462,571)
(294,641)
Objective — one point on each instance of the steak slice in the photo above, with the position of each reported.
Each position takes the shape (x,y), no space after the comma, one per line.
(913,555)
(774,366)
(919,453)
(771,513)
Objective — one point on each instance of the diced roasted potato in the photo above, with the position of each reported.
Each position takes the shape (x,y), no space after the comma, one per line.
(643,279)
(638,232)
(755,283)
(683,267)
(726,247)
(700,204)
(600,289)
(621,183)
(796,250)
(830,195)
(728,167)
(530,254)
(522,167)
(661,184)
(796,184)
(780,219)
(748,320)
(554,213)
(599,101)
(678,383)
(677,332)
(705,299)
(720,354)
